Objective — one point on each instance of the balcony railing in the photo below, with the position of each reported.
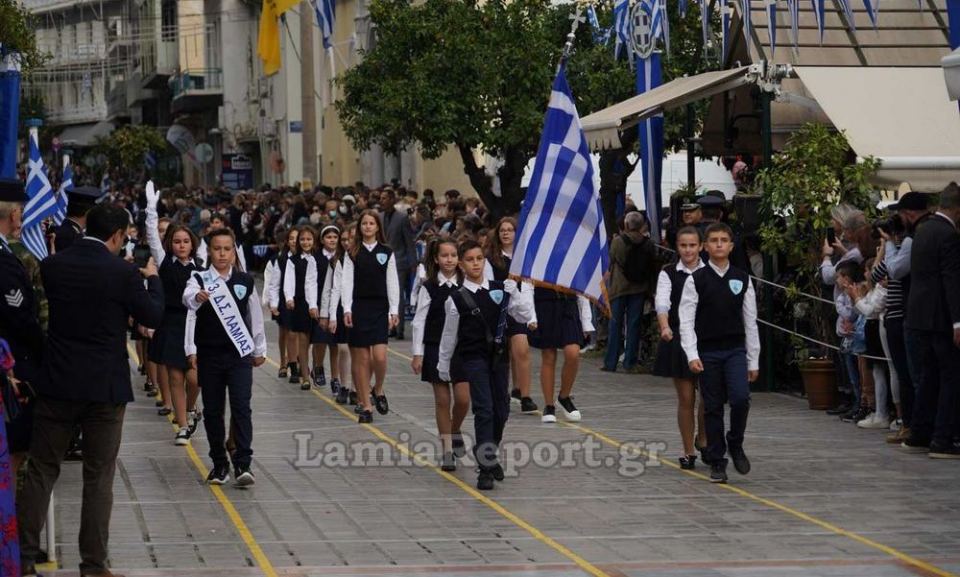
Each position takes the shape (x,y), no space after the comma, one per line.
(199,81)
(78,114)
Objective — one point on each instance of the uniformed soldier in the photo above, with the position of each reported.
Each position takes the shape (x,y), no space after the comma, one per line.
(19,324)
(80,200)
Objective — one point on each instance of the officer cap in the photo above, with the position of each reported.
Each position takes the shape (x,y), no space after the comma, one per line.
(84,195)
(11,190)
(710,200)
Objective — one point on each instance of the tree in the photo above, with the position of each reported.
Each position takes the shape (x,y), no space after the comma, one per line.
(126,148)
(467,74)
(18,34)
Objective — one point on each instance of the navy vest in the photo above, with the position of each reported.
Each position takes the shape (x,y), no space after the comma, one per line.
(472,336)
(719,322)
(437,313)
(209,332)
(678,278)
(174,276)
(369,275)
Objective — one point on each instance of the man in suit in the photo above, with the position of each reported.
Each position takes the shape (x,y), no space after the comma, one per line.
(79,201)
(399,233)
(933,327)
(85,379)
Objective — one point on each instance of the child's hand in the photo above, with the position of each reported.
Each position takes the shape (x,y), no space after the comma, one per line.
(394,321)
(257,361)
(417,364)
(752,376)
(347,320)
(696,367)
(666,334)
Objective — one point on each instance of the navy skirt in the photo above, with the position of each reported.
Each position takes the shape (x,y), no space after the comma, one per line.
(558,324)
(671,360)
(431,358)
(321,336)
(282,318)
(371,323)
(299,320)
(515,328)
(342,336)
(166,346)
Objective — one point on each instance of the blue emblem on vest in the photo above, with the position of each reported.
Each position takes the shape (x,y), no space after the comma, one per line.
(382,257)
(496,296)
(736,285)
(239,290)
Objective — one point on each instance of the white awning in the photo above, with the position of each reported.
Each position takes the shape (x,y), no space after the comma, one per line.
(85,134)
(602,128)
(902,116)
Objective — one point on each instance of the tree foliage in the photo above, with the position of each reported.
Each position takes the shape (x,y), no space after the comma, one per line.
(126,148)
(18,34)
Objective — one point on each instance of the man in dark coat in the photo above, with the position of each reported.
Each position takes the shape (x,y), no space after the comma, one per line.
(85,378)
(79,201)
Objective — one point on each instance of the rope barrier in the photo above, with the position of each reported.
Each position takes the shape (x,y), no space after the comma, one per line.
(813,340)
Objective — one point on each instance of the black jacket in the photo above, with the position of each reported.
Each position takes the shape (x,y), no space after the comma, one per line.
(65,235)
(19,324)
(91,294)
(934,302)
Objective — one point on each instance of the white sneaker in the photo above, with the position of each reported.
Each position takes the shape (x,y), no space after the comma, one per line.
(183,437)
(874,421)
(896,424)
(549,415)
(568,411)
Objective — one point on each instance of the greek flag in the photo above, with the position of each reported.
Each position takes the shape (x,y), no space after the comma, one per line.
(772,25)
(562,240)
(260,250)
(819,10)
(62,201)
(326,16)
(660,22)
(747,23)
(621,26)
(42,203)
(650,76)
(725,14)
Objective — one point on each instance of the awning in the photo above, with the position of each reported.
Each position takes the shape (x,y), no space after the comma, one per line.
(901,116)
(85,134)
(602,128)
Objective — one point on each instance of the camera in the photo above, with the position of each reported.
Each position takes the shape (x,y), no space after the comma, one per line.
(893,226)
(141,255)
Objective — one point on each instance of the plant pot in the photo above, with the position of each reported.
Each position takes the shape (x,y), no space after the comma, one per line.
(819,383)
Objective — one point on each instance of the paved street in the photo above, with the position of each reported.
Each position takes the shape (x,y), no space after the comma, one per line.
(823,499)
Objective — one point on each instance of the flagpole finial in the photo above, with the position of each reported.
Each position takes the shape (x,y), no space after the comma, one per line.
(577,18)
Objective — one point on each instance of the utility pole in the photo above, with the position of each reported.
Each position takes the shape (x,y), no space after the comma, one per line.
(308,102)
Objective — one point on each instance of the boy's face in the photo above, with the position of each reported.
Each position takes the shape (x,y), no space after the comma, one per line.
(719,244)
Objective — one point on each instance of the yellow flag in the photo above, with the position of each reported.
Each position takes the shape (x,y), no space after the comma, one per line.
(268,43)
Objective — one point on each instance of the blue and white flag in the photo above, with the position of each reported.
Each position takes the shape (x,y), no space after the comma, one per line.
(621,27)
(819,10)
(793,6)
(661,22)
(562,240)
(848,13)
(105,182)
(649,76)
(747,23)
(65,186)
(871,6)
(326,16)
(725,14)
(42,203)
(771,24)
(705,20)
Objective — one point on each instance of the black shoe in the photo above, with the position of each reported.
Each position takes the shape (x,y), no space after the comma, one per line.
(282,373)
(219,476)
(353,397)
(153,391)
(484,480)
(244,476)
(497,472)
(916,445)
(841,409)
(142,370)
(944,451)
(158,403)
(365,417)
(193,421)
(688,463)
(527,406)
(718,473)
(856,416)
(319,379)
(459,448)
(164,411)
(335,387)
(380,402)
(147,385)
(294,374)
(358,408)
(607,369)
(448,463)
(343,396)
(515,395)
(740,461)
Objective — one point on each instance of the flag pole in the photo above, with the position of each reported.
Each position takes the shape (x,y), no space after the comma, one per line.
(577,18)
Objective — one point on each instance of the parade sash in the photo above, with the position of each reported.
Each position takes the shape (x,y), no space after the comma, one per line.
(226,310)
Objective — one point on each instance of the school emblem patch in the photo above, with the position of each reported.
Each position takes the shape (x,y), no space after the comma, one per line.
(496,296)
(736,285)
(209,276)
(382,258)
(240,291)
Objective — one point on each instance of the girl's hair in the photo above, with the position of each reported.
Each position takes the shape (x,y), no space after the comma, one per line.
(338,251)
(358,240)
(495,247)
(174,228)
(281,239)
(306,228)
(467,246)
(852,270)
(433,251)
(690,230)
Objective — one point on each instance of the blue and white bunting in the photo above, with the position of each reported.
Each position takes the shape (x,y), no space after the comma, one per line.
(871,6)
(649,76)
(771,24)
(848,13)
(747,22)
(793,7)
(326,16)
(561,239)
(621,27)
(42,202)
(726,12)
(705,20)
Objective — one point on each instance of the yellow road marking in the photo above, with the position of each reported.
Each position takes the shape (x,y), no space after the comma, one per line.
(258,555)
(910,560)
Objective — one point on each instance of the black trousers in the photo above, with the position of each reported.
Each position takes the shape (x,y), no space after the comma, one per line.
(219,371)
(490,401)
(898,355)
(938,386)
(54,421)
(724,380)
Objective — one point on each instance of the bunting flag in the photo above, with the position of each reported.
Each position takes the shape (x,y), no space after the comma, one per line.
(621,26)
(561,238)
(848,13)
(771,24)
(683,8)
(705,20)
(725,14)
(268,39)
(793,7)
(42,203)
(747,23)
(65,187)
(661,24)
(819,11)
(649,76)
(326,16)
(594,24)
(872,6)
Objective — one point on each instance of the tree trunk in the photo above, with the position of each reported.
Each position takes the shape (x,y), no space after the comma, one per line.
(479,179)
(511,177)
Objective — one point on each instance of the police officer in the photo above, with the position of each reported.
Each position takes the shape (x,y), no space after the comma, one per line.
(79,201)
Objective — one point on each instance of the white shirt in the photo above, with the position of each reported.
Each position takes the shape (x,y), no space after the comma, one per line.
(420,276)
(393,283)
(661,301)
(518,307)
(330,293)
(309,282)
(688,317)
(254,318)
(423,307)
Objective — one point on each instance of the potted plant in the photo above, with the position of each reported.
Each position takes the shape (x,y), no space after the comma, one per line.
(814,172)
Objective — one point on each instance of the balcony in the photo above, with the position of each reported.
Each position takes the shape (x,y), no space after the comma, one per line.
(158,60)
(78,114)
(196,90)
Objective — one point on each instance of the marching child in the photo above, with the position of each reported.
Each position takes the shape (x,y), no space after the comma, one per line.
(326,256)
(443,278)
(671,360)
(300,290)
(473,337)
(718,332)
(371,307)
(287,247)
(331,313)
(224,341)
